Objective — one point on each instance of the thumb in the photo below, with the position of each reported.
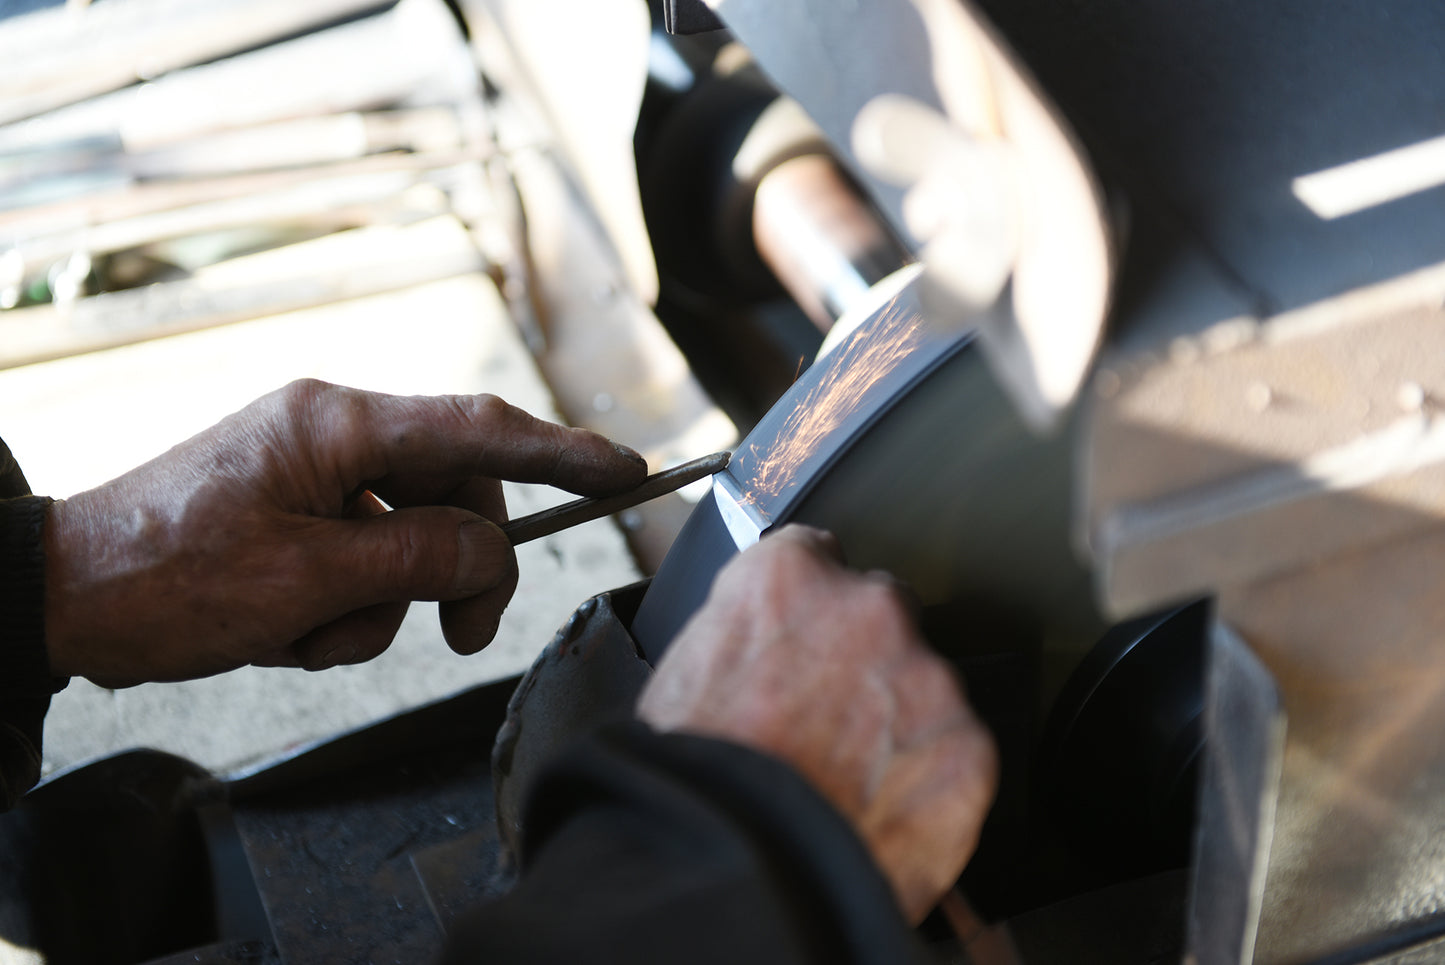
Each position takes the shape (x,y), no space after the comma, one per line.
(422,553)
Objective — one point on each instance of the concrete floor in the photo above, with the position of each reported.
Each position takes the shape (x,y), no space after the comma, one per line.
(77,422)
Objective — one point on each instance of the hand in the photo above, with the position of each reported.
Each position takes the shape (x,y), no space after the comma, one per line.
(822,667)
(262,540)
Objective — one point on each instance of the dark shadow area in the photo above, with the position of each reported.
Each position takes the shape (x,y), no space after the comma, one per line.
(1210,111)
(368,844)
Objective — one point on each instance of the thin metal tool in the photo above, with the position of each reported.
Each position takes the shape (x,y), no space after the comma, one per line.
(558,518)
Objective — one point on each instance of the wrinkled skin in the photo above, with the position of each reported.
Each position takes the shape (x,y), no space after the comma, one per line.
(262,540)
(797,656)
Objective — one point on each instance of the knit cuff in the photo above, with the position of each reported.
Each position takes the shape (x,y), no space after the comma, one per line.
(24,664)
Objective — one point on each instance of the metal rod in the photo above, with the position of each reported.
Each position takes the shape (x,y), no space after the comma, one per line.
(823,240)
(558,518)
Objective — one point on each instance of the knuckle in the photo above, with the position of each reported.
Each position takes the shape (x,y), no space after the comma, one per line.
(491,410)
(405,560)
(326,413)
(785,557)
(977,762)
(884,601)
(555,455)
(947,688)
(304,396)
(407,556)
(888,587)
(771,555)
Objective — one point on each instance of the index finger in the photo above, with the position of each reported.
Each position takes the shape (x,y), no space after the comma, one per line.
(370,436)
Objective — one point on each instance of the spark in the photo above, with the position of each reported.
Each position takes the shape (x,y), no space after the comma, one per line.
(828,405)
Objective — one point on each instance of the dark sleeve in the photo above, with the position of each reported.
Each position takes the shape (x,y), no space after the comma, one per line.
(25,681)
(646,848)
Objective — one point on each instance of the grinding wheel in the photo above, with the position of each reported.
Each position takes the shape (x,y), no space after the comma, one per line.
(900,442)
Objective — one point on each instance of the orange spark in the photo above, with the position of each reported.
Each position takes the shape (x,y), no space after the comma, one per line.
(851,371)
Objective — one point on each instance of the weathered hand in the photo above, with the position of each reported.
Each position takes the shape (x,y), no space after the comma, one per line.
(260,541)
(822,667)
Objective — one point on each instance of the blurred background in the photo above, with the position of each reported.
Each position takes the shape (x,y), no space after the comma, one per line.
(200,202)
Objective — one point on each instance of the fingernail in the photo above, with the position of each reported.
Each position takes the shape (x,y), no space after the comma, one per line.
(629,453)
(337,655)
(483,557)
